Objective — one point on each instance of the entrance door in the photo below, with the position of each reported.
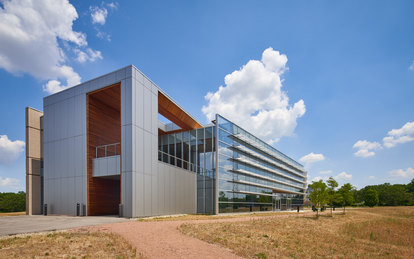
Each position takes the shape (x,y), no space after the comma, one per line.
(288,204)
(276,204)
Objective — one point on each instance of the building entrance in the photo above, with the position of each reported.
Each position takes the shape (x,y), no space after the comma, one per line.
(276,203)
(286,204)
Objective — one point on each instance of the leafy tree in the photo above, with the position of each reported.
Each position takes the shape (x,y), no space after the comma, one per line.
(12,202)
(371,198)
(346,193)
(410,186)
(333,196)
(318,195)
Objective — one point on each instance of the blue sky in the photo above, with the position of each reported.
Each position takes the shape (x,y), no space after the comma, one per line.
(350,62)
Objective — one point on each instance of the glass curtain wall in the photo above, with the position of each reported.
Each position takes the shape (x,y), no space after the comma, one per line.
(194,151)
(254,176)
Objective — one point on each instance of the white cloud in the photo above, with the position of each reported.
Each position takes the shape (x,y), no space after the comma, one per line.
(399,136)
(401,173)
(10,150)
(311,158)
(113,5)
(9,182)
(365,148)
(88,55)
(371,177)
(318,178)
(30,32)
(253,98)
(343,176)
(326,172)
(411,67)
(98,14)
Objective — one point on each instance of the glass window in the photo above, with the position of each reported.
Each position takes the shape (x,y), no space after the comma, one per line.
(178,148)
(208,148)
(200,150)
(225,162)
(171,148)
(224,136)
(186,149)
(225,124)
(224,149)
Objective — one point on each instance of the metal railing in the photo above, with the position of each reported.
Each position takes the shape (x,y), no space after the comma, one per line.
(178,162)
(108,150)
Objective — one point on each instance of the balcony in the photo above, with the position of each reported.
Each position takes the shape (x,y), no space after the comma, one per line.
(107,162)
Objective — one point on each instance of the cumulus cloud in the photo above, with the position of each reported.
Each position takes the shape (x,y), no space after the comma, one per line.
(87,55)
(98,14)
(253,98)
(10,150)
(9,182)
(311,158)
(366,148)
(343,176)
(399,136)
(30,32)
(401,173)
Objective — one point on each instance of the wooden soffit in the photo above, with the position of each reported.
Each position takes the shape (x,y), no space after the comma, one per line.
(170,110)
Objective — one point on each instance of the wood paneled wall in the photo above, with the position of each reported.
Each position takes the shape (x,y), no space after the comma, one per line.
(103,127)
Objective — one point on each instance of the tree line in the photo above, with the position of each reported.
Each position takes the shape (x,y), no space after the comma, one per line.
(329,195)
(12,202)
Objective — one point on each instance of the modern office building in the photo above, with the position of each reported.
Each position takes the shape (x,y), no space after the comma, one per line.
(100,148)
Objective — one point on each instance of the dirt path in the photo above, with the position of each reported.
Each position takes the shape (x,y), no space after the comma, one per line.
(162,239)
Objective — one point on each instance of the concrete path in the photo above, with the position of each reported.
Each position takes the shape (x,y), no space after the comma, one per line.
(27,224)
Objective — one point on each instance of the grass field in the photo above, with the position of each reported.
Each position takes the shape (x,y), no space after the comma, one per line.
(6,214)
(360,233)
(66,245)
(211,217)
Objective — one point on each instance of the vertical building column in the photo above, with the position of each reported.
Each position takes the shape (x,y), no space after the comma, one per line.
(34,158)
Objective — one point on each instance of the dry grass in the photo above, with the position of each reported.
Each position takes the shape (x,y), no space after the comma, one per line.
(66,245)
(361,233)
(6,214)
(213,217)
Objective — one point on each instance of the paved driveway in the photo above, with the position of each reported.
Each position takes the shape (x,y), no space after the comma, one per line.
(28,224)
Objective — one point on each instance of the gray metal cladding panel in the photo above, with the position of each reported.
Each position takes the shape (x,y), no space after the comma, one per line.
(147,110)
(126,193)
(154,195)
(147,195)
(178,195)
(138,194)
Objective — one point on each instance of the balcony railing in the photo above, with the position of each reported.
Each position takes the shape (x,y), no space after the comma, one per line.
(108,150)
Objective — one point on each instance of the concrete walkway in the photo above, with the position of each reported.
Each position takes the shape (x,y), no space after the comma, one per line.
(27,224)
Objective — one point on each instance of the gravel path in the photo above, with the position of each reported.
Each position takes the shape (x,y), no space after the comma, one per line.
(162,239)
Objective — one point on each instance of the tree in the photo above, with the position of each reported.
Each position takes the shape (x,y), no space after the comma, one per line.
(319,195)
(371,198)
(333,195)
(410,186)
(12,202)
(346,194)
